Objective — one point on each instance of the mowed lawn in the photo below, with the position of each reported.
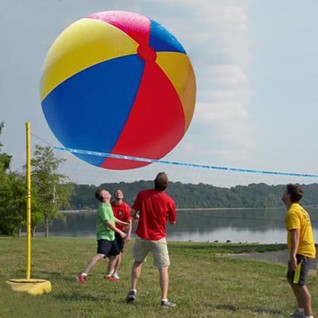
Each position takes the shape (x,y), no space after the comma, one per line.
(204,282)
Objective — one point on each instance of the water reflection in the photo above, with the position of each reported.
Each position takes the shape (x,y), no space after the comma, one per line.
(200,225)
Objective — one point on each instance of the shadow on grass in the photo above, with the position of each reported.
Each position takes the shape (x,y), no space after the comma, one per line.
(252,309)
(78,297)
(55,276)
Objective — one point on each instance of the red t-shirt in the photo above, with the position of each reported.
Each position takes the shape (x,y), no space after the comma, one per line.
(121,212)
(155,208)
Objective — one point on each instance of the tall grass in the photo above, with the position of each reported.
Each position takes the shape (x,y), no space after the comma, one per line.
(204,282)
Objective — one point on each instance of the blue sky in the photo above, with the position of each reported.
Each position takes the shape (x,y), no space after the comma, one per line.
(256,65)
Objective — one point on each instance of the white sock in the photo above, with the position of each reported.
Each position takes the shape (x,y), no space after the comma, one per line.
(164,299)
(309,316)
(84,274)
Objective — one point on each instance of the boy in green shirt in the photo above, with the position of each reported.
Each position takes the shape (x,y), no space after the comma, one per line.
(106,243)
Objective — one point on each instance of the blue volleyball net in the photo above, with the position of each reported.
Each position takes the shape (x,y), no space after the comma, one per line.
(182,171)
(81,172)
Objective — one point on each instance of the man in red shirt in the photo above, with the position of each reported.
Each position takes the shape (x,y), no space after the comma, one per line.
(122,212)
(153,208)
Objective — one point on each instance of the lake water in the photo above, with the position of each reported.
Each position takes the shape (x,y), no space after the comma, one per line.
(265,226)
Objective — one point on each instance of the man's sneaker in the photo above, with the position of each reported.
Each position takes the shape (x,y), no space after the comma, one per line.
(115,275)
(112,279)
(167,304)
(297,314)
(81,278)
(131,296)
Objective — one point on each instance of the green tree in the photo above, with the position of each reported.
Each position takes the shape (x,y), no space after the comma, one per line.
(12,204)
(5,159)
(12,196)
(50,190)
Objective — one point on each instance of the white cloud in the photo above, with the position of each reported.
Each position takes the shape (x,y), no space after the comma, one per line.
(230,75)
(221,116)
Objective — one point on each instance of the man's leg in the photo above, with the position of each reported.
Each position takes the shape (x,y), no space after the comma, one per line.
(117,265)
(135,274)
(140,252)
(164,281)
(120,243)
(303,297)
(111,264)
(92,262)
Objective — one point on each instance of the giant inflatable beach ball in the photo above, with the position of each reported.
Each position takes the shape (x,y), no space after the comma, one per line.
(118,83)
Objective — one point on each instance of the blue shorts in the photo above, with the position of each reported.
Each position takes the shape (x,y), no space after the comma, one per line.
(120,242)
(299,276)
(107,248)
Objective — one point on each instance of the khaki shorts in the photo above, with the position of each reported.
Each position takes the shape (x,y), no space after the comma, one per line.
(159,251)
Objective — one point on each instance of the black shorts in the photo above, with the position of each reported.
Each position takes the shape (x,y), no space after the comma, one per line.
(299,276)
(120,242)
(108,248)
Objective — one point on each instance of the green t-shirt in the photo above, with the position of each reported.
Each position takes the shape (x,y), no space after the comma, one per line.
(105,213)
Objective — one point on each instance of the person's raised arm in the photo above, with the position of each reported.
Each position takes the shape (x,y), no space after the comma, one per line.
(134,214)
(120,222)
(114,228)
(172,215)
(129,229)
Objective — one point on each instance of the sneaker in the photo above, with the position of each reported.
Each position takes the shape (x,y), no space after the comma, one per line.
(131,296)
(167,304)
(112,279)
(115,275)
(297,314)
(81,278)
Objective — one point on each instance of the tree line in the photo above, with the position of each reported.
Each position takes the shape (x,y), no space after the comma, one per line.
(199,195)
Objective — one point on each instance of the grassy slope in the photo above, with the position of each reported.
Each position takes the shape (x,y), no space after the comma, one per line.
(204,282)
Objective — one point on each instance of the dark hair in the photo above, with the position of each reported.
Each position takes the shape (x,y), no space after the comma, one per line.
(295,192)
(161,181)
(98,195)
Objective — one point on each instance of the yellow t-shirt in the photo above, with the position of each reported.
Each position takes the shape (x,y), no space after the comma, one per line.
(298,218)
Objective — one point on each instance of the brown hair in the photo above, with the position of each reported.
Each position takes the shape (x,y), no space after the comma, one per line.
(161,181)
(295,192)
(98,195)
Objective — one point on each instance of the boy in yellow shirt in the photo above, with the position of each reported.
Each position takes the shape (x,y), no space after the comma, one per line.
(301,249)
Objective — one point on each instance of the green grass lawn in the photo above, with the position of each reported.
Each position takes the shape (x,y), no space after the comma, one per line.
(204,282)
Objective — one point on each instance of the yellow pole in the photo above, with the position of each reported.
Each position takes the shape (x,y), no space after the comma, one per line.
(28,197)
(31,286)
